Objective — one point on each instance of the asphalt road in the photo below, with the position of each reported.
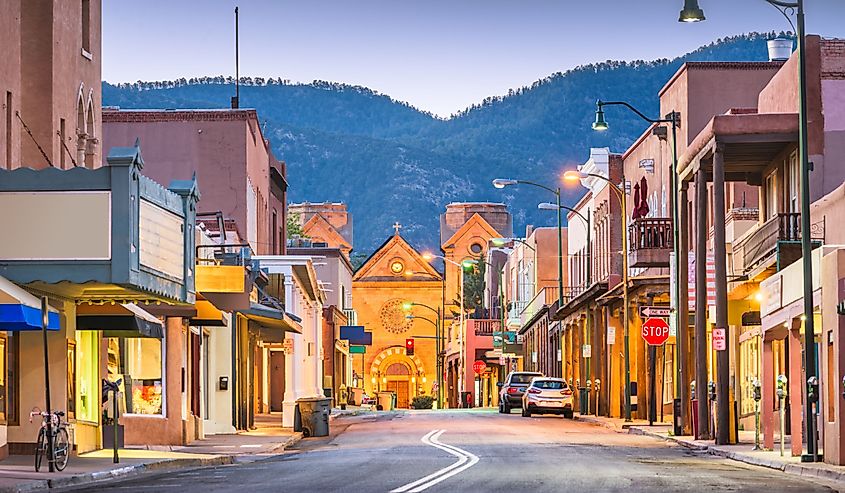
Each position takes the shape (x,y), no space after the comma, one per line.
(479,451)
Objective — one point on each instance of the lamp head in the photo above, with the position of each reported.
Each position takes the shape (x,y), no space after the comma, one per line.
(600,125)
(573,175)
(503,182)
(427,255)
(407,306)
(499,241)
(469,263)
(691,12)
(409,317)
(547,206)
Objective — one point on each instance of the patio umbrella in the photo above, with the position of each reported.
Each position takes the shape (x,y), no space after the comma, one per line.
(643,203)
(635,211)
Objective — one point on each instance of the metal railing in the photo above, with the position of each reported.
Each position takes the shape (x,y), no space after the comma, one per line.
(351,316)
(486,327)
(763,240)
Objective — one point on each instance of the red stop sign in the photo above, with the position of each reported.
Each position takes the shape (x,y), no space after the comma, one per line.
(479,366)
(655,331)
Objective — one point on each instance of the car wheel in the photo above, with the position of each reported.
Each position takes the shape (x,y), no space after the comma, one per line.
(568,414)
(526,413)
(501,411)
(506,408)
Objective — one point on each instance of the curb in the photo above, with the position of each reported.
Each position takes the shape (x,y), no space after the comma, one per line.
(788,468)
(291,441)
(119,473)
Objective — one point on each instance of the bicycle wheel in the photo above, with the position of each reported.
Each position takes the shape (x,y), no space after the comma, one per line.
(61,449)
(40,447)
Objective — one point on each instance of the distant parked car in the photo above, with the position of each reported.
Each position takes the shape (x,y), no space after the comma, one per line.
(510,393)
(548,396)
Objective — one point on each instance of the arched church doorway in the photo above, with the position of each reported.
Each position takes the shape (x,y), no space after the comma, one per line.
(394,371)
(398,381)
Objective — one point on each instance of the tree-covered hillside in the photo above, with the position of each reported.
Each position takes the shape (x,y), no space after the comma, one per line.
(391,162)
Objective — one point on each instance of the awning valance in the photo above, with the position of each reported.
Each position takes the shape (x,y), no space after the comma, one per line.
(272,323)
(119,320)
(20,310)
(208,315)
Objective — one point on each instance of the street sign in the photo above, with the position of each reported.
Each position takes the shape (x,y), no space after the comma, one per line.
(586,351)
(655,331)
(479,366)
(611,335)
(655,311)
(719,342)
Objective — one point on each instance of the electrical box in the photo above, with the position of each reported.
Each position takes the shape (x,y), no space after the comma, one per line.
(223,384)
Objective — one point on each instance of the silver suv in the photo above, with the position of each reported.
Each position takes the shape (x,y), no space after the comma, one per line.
(511,390)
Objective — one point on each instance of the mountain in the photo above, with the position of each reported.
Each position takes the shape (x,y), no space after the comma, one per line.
(392,162)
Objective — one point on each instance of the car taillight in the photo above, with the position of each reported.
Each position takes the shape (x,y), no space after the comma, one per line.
(566,392)
(512,390)
(533,391)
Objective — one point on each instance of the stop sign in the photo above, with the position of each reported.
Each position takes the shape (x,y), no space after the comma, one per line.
(479,366)
(655,331)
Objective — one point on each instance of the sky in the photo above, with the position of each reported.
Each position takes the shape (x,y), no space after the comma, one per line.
(438,55)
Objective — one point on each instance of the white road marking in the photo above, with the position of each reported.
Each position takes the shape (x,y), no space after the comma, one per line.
(464,462)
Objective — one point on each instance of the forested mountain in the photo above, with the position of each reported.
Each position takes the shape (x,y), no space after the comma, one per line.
(392,162)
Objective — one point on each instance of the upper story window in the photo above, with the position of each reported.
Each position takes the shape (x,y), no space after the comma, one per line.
(86,26)
(793,173)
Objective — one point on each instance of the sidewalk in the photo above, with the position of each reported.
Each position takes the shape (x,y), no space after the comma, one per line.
(741,452)
(17,472)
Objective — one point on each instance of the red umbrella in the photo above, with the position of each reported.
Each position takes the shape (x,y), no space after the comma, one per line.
(635,211)
(643,204)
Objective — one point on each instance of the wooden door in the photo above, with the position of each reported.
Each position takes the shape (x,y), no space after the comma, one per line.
(277,380)
(401,389)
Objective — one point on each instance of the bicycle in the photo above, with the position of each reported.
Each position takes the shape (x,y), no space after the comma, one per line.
(60,439)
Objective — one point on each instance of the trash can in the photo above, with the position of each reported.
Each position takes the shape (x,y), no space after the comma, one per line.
(466,399)
(582,400)
(315,416)
(386,401)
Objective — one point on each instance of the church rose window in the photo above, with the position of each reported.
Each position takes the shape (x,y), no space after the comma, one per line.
(476,248)
(394,318)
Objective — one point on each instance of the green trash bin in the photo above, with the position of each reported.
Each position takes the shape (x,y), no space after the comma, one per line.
(315,416)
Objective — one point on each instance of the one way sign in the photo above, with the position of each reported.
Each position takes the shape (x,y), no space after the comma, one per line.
(655,311)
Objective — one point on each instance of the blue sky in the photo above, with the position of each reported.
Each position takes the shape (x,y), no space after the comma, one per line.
(439,55)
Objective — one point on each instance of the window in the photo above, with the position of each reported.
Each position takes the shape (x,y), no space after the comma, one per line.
(8,130)
(12,382)
(771,196)
(138,362)
(86,26)
(669,374)
(793,173)
(275,227)
(62,137)
(476,248)
(71,380)
(4,375)
(87,376)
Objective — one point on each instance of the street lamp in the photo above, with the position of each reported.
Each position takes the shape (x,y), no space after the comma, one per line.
(438,335)
(504,182)
(573,176)
(673,118)
(806,242)
(691,12)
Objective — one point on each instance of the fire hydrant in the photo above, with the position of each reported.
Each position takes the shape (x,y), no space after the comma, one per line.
(342,396)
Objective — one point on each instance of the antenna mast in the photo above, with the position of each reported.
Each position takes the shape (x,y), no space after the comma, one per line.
(236,98)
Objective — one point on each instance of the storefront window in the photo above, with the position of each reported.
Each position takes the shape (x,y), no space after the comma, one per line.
(749,370)
(138,362)
(12,394)
(87,375)
(669,374)
(3,377)
(71,380)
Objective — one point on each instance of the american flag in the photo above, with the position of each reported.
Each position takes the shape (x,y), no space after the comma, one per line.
(711,280)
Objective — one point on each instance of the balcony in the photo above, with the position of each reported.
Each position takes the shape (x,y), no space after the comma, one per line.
(777,239)
(515,309)
(484,327)
(649,242)
(351,316)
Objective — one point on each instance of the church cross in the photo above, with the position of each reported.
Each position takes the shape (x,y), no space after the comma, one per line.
(397,227)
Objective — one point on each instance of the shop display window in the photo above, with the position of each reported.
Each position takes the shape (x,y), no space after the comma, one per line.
(87,375)
(138,363)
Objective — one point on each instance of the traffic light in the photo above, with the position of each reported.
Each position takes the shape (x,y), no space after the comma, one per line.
(409,347)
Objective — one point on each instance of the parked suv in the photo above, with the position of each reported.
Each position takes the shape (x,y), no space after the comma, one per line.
(510,393)
(548,396)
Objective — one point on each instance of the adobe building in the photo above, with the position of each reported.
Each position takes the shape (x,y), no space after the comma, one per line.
(226,151)
(324,224)
(396,274)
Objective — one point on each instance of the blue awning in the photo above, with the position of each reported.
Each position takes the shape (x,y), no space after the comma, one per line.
(20,310)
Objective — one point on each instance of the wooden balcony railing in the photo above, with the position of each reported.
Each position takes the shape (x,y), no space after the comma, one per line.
(486,327)
(650,242)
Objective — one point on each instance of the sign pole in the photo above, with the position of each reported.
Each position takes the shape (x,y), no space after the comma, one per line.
(45,320)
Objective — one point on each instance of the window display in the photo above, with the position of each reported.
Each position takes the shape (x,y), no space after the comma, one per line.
(87,375)
(137,362)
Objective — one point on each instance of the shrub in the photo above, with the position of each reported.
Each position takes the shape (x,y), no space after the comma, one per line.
(422,402)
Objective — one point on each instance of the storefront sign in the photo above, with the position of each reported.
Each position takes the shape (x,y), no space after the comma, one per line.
(162,242)
(719,340)
(287,346)
(772,295)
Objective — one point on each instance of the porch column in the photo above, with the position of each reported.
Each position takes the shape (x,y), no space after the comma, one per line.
(796,387)
(683,339)
(289,403)
(724,423)
(701,305)
(767,389)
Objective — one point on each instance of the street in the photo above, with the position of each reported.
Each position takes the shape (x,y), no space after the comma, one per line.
(479,450)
